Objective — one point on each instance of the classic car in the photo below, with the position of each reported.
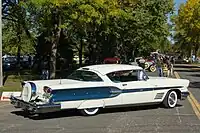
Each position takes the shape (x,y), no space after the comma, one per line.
(94,87)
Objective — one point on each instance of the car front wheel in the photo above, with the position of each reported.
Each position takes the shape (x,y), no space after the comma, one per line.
(89,111)
(146,66)
(170,100)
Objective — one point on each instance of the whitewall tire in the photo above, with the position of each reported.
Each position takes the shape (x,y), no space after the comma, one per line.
(89,111)
(152,68)
(146,65)
(170,100)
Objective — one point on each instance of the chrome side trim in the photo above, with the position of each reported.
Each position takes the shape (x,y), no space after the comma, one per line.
(159,95)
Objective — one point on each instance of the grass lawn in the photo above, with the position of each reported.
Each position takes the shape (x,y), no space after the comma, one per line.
(13,80)
(12,84)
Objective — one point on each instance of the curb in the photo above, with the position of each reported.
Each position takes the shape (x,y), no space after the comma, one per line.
(5,96)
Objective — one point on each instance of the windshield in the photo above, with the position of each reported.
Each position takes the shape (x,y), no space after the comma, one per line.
(84,76)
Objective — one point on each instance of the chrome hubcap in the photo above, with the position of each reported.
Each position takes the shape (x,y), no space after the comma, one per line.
(172,100)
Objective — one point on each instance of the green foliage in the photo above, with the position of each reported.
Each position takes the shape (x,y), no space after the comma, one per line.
(187,27)
(100,28)
(10,41)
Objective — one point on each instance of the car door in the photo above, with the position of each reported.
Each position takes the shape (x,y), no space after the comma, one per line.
(137,90)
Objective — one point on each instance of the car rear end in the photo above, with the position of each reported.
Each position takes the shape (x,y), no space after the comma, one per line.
(35,100)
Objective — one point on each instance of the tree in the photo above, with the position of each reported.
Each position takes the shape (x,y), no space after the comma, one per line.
(188,27)
(10,41)
(96,28)
(16,25)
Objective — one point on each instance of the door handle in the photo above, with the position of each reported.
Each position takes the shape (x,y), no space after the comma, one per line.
(124,84)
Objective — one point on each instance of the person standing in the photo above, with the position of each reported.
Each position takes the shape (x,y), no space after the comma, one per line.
(142,63)
(45,69)
(169,67)
(172,62)
(159,66)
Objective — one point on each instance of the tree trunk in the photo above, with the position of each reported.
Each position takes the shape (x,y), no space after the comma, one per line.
(81,52)
(56,19)
(18,51)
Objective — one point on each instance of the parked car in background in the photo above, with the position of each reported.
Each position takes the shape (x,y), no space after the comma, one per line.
(147,63)
(150,64)
(94,87)
(181,60)
(9,63)
(112,60)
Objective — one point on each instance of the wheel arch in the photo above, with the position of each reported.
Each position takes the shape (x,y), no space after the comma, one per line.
(92,104)
(178,92)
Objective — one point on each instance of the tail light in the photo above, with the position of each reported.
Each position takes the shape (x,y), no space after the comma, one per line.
(46,89)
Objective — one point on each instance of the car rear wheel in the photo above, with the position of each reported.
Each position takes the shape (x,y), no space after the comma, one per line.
(170,100)
(152,68)
(89,111)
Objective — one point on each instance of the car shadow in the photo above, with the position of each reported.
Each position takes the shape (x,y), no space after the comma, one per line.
(195,75)
(185,66)
(194,85)
(129,109)
(75,113)
(51,115)
(187,70)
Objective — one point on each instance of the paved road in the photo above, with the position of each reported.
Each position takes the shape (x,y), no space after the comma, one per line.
(191,73)
(150,119)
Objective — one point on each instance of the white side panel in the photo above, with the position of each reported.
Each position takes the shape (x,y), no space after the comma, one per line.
(92,104)
(71,104)
(113,101)
(137,97)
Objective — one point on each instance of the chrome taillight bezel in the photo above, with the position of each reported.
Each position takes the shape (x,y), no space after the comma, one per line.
(47,90)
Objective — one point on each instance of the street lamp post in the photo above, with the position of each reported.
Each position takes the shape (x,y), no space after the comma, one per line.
(1,69)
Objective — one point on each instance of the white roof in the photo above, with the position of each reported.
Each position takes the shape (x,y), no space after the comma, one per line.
(107,68)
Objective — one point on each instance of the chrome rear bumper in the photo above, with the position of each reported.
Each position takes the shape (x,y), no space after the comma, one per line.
(34,108)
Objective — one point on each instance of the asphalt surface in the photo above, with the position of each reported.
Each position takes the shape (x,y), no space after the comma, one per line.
(191,73)
(146,119)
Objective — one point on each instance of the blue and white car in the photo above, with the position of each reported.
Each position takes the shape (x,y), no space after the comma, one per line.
(94,87)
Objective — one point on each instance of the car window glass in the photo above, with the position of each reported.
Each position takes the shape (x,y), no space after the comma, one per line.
(123,76)
(84,76)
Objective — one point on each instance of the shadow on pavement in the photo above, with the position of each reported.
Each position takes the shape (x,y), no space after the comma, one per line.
(187,70)
(194,85)
(72,113)
(186,66)
(195,75)
(52,115)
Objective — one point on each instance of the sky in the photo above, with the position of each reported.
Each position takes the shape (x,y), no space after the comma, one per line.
(178,2)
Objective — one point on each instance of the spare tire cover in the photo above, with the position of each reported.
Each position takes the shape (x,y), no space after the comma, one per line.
(26,93)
